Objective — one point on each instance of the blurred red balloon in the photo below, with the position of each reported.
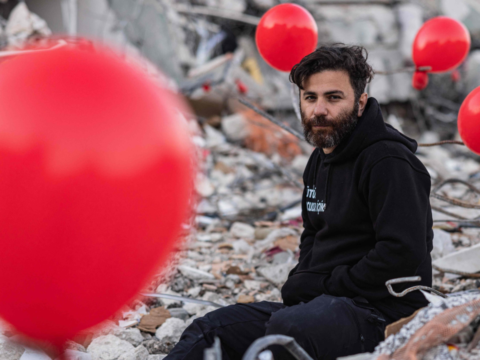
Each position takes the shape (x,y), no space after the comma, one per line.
(455,76)
(241,87)
(285,34)
(442,43)
(420,80)
(468,122)
(95,184)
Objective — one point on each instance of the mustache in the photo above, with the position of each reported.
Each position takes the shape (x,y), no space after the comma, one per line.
(317,121)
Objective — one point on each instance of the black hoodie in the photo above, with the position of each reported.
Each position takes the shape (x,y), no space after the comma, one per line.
(367,219)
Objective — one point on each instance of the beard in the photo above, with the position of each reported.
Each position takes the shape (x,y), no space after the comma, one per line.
(336,131)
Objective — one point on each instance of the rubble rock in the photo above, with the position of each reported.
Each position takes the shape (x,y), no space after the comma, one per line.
(235,127)
(241,247)
(242,231)
(10,350)
(108,347)
(156,346)
(194,274)
(157,357)
(171,329)
(139,353)
(442,244)
(77,355)
(192,308)
(179,313)
(276,274)
(133,335)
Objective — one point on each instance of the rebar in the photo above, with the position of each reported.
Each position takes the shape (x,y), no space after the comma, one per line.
(389,284)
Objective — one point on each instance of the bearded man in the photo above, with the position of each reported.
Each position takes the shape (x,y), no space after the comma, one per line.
(367,219)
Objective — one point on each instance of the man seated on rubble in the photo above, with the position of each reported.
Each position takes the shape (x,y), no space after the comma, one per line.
(366,217)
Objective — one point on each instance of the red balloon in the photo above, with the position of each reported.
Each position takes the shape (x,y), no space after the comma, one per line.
(442,43)
(95,183)
(285,34)
(468,122)
(420,80)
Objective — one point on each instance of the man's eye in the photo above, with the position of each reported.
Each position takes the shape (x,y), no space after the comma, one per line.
(309,98)
(335,97)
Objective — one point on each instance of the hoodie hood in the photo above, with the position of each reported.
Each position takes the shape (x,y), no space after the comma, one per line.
(370,129)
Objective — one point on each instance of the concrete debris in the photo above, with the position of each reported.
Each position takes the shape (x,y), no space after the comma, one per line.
(139,353)
(10,350)
(172,329)
(77,355)
(442,244)
(465,260)
(133,336)
(108,347)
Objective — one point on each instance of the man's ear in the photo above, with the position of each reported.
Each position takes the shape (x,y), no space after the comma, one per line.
(362,102)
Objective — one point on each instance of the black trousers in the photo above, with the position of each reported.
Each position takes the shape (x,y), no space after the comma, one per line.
(326,327)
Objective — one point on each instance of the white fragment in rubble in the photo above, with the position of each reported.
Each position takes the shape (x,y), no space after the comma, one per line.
(203,186)
(241,247)
(267,243)
(34,354)
(235,127)
(127,323)
(292,213)
(204,220)
(108,347)
(432,298)
(205,311)
(9,349)
(213,137)
(157,357)
(276,274)
(194,274)
(253,284)
(300,163)
(139,353)
(77,355)
(193,292)
(242,230)
(442,244)
(204,237)
(133,336)
(172,329)
(22,23)
(465,260)
(227,208)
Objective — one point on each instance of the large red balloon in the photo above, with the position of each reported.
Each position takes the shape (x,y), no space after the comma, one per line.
(95,182)
(285,34)
(468,121)
(442,43)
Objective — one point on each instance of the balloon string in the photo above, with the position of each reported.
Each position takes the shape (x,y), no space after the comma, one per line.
(403,70)
(443,142)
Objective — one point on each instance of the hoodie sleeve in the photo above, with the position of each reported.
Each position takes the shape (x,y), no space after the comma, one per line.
(398,201)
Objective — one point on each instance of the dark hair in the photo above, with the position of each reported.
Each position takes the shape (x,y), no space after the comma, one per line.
(335,57)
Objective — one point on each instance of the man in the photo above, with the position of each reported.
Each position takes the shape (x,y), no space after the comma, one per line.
(367,219)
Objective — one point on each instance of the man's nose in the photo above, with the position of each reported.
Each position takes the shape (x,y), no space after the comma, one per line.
(320,109)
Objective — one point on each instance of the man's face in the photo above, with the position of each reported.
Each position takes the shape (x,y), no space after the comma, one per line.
(328,107)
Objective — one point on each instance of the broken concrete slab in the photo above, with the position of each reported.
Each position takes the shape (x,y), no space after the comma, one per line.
(466,260)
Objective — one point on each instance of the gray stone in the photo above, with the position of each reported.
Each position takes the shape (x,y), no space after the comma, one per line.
(276,274)
(156,346)
(139,353)
(179,313)
(171,329)
(108,347)
(133,335)
(242,230)
(10,350)
(472,71)
(235,127)
(194,274)
(442,244)
(157,357)
(410,18)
